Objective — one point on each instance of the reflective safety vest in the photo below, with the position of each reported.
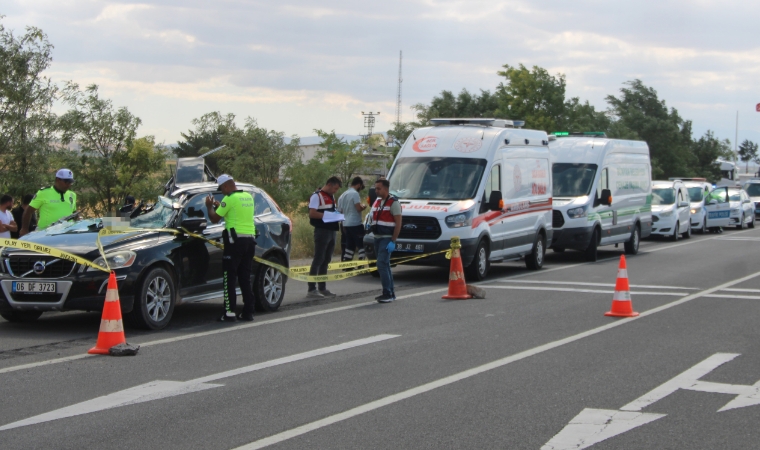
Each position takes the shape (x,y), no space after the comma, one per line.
(326,203)
(382,219)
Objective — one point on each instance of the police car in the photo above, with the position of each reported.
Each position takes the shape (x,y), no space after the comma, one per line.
(742,209)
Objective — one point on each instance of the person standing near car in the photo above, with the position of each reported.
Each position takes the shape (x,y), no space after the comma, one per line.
(239,245)
(54,202)
(352,231)
(7,224)
(18,215)
(386,226)
(321,202)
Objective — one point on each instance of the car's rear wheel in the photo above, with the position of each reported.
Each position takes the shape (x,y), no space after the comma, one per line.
(535,259)
(21,316)
(632,245)
(269,285)
(478,268)
(154,301)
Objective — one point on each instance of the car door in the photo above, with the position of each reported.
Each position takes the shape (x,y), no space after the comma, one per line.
(718,208)
(200,262)
(684,209)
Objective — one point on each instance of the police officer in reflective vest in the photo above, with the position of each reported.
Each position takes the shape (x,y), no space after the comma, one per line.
(239,245)
(386,226)
(54,202)
(322,201)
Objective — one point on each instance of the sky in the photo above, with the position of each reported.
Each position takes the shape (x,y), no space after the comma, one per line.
(296,66)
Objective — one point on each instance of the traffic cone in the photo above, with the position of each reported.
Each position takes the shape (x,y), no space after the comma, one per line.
(111,328)
(457,286)
(621,299)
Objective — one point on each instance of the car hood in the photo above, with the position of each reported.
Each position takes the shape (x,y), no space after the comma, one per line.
(84,243)
(661,208)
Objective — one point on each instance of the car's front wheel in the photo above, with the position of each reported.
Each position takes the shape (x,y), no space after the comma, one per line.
(751,224)
(269,285)
(741,223)
(154,301)
(21,316)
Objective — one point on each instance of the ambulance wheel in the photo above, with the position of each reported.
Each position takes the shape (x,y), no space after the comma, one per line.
(154,301)
(21,316)
(269,286)
(687,235)
(591,251)
(632,245)
(535,260)
(478,268)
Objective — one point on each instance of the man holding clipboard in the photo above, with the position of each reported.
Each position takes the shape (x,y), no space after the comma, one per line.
(325,220)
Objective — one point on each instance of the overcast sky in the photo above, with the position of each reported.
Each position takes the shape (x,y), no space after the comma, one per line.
(300,65)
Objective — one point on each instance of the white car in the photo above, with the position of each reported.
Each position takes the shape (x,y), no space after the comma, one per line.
(752,188)
(698,191)
(742,209)
(671,209)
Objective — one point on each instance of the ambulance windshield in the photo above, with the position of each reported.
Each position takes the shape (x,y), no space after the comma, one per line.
(572,180)
(437,178)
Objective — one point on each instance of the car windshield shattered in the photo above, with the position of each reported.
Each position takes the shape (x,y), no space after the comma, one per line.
(437,178)
(572,180)
(666,196)
(156,216)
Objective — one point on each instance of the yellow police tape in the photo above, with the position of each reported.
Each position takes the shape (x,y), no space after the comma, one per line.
(24,245)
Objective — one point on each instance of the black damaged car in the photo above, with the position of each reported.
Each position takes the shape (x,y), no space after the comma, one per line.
(156,271)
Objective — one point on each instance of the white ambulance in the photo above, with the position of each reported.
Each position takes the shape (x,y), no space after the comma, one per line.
(602,192)
(483,180)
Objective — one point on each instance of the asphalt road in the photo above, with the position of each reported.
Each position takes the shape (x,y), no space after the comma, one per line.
(535,364)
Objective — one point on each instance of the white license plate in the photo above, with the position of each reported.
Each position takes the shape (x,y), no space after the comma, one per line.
(34,287)
(415,248)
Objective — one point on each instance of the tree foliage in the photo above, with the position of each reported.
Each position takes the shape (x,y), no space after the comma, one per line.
(27,124)
(210,130)
(748,152)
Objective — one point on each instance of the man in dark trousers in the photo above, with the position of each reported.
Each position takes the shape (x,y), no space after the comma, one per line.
(18,215)
(239,245)
(352,231)
(386,226)
(321,202)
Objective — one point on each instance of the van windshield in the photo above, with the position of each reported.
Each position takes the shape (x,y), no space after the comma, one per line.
(572,180)
(663,196)
(695,193)
(437,178)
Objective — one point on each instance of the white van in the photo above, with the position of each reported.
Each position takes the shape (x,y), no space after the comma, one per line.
(602,192)
(482,180)
(671,209)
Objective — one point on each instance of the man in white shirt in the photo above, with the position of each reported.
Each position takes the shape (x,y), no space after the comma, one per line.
(7,224)
(352,231)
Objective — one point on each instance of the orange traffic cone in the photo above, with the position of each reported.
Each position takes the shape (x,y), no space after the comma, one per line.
(457,286)
(111,329)
(621,299)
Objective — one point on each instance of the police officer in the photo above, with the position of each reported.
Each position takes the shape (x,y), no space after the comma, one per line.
(239,245)
(54,202)
(386,226)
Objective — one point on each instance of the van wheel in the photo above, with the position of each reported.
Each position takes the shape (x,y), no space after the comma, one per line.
(154,301)
(591,253)
(632,245)
(535,260)
(687,235)
(269,286)
(676,232)
(21,316)
(478,268)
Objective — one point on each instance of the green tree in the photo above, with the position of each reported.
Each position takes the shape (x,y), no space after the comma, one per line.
(531,95)
(748,152)
(27,124)
(104,134)
(639,110)
(142,169)
(706,151)
(582,117)
(209,133)
(446,104)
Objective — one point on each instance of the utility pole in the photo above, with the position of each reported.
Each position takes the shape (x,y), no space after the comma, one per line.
(369,123)
(736,139)
(398,95)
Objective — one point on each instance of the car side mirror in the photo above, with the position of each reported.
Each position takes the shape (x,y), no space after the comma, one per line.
(194,225)
(495,202)
(683,205)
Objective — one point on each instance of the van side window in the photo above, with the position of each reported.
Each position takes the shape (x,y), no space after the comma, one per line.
(493,184)
(604,183)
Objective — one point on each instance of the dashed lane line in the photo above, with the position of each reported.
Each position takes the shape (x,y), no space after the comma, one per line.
(589,291)
(391,399)
(581,283)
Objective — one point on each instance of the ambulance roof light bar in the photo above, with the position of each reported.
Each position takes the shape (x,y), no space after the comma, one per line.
(501,123)
(579,133)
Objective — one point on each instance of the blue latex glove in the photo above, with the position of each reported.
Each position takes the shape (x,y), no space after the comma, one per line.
(391,246)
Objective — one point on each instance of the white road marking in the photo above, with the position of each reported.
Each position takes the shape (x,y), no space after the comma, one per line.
(162,389)
(593,426)
(738,239)
(581,283)
(590,291)
(756,291)
(734,296)
(371,406)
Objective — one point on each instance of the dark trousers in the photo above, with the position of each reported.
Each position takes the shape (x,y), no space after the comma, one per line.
(237,262)
(354,240)
(324,246)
